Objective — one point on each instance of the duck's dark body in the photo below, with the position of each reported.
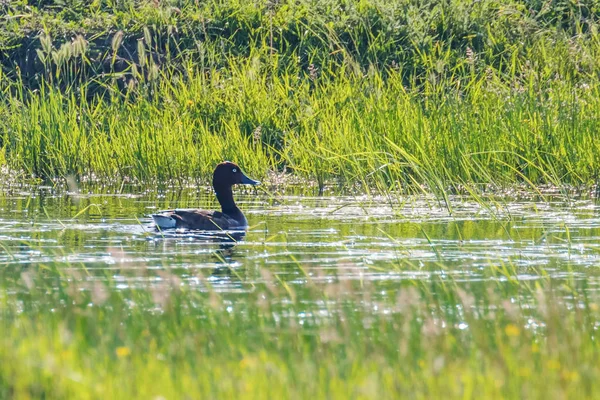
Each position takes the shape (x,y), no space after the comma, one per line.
(229,218)
(204,220)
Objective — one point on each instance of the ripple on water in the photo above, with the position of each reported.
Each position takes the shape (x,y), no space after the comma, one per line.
(297,239)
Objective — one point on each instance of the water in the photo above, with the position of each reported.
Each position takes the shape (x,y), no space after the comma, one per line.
(350,242)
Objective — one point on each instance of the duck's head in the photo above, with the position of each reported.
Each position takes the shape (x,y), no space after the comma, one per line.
(228,174)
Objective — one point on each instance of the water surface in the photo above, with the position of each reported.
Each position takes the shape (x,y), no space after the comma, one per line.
(348,242)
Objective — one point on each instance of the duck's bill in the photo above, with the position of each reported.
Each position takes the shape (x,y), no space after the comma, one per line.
(248,181)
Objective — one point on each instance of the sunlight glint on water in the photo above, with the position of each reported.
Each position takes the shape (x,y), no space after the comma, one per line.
(294,239)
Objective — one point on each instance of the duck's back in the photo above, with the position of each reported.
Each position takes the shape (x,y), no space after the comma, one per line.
(199,220)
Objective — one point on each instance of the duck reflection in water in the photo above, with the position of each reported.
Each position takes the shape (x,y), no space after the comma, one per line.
(222,252)
(223,272)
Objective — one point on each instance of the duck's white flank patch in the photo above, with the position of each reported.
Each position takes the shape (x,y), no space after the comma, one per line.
(163,221)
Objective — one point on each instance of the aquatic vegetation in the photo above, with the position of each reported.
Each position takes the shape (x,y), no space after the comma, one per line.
(338,133)
(379,95)
(324,297)
(439,280)
(89,340)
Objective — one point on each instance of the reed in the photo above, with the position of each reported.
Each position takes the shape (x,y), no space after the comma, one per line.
(377,95)
(352,130)
(68,336)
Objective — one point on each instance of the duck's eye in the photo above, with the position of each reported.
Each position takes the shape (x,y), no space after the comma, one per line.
(234,170)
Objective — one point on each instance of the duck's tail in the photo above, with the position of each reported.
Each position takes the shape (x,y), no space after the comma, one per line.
(163,221)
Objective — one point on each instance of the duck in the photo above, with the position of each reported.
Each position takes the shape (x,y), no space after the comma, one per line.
(230,217)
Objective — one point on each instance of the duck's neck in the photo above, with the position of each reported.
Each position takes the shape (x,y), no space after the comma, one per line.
(225,197)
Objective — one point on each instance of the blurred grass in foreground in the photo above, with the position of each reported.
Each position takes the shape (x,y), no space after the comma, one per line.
(68,336)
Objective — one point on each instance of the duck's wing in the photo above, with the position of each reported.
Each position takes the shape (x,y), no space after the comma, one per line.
(203,220)
(195,219)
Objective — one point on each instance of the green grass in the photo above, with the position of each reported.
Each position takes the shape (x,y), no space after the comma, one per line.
(352,130)
(385,96)
(73,338)
(372,96)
